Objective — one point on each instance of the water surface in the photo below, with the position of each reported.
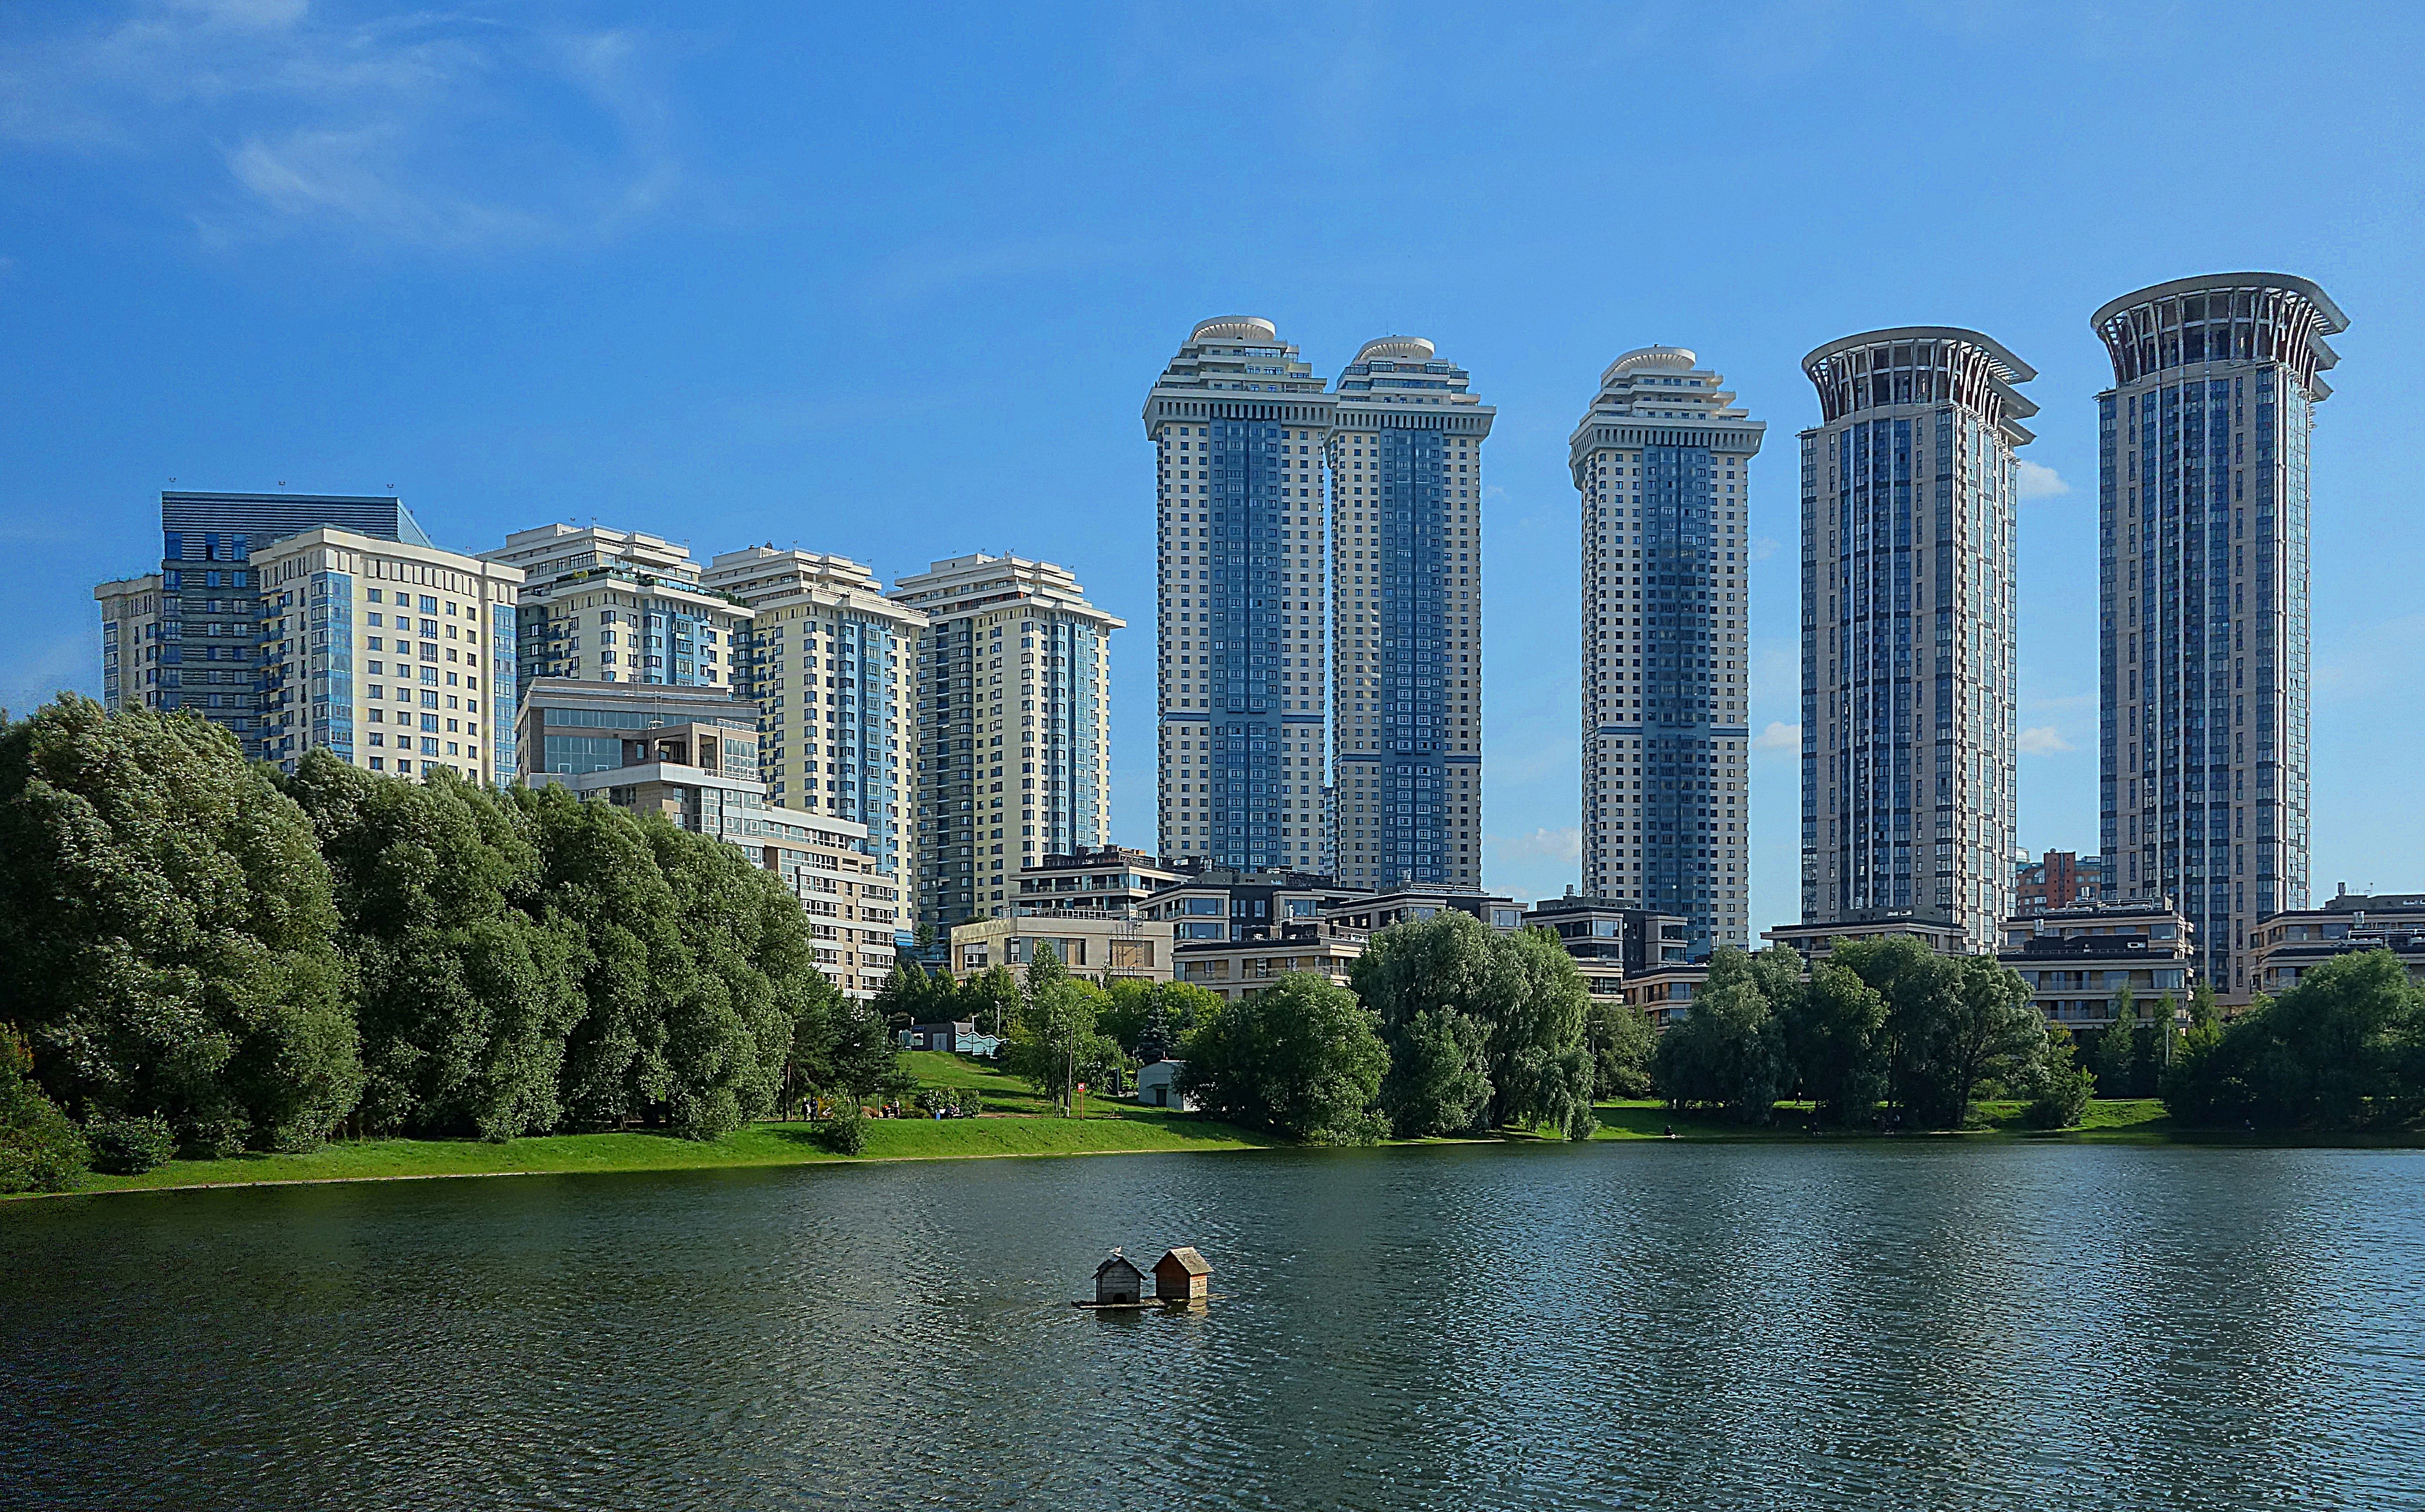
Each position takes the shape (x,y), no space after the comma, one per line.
(1613,1326)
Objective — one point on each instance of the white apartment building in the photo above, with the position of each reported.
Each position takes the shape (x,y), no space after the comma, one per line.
(601,605)
(398,657)
(1239,424)
(1404,459)
(1908,702)
(1013,760)
(832,664)
(1662,463)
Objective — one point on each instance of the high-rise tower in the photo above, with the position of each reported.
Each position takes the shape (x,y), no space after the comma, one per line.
(1663,464)
(1908,707)
(1406,508)
(1239,424)
(1014,728)
(2202,501)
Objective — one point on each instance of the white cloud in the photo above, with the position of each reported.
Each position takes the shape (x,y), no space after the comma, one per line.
(1778,737)
(1762,547)
(430,129)
(2042,740)
(1541,845)
(2038,481)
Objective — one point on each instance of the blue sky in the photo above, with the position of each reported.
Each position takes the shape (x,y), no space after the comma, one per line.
(893,281)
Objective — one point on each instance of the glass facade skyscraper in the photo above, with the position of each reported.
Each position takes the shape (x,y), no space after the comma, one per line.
(1239,424)
(1406,506)
(2202,504)
(1662,463)
(1909,648)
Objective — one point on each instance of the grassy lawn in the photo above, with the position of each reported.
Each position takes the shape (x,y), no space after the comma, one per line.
(1106,1127)
(2121,1121)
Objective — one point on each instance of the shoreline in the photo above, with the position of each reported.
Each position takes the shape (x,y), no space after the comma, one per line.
(1125,1131)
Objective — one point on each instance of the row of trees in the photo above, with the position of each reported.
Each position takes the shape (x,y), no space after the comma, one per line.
(257,960)
(1878,1021)
(2342,1051)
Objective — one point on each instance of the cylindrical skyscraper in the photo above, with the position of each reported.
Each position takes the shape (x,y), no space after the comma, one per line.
(2202,499)
(1662,463)
(1908,708)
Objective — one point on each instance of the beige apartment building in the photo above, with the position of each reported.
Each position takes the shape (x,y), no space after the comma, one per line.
(601,605)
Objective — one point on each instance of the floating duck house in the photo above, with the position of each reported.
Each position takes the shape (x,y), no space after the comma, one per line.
(1180,1276)
(1117,1282)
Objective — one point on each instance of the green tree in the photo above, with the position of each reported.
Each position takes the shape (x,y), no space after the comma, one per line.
(912,995)
(167,933)
(1436,1083)
(1620,1038)
(1834,1036)
(2114,1055)
(991,1000)
(1301,1057)
(2057,1088)
(2342,1050)
(1055,1046)
(1044,972)
(1953,1024)
(1522,990)
(465,995)
(1728,1052)
(861,1053)
(1128,1007)
(39,1150)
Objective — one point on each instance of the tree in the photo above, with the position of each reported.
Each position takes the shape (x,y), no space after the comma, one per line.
(1301,1057)
(2057,1089)
(39,1150)
(1952,1025)
(1436,1083)
(1834,1028)
(166,930)
(1522,990)
(2113,1055)
(1056,1047)
(912,995)
(1044,969)
(990,999)
(1620,1039)
(2342,1050)
(464,993)
(861,1053)
(1729,1051)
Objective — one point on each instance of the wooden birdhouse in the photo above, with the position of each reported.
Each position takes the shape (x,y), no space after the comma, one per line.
(1118,1280)
(1182,1275)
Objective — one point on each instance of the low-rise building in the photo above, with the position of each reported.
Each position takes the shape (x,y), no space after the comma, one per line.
(2077,961)
(691,756)
(1157,1085)
(1109,880)
(1665,993)
(1216,903)
(2289,945)
(1812,942)
(1088,945)
(1608,942)
(1235,968)
(1370,912)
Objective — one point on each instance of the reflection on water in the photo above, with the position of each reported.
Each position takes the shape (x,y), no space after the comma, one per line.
(1678,1325)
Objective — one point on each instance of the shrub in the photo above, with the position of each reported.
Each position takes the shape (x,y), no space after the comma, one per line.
(971,1101)
(130,1146)
(212,1138)
(39,1150)
(846,1127)
(2058,1088)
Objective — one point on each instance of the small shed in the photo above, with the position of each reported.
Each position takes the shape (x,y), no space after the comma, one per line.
(1182,1275)
(1157,1085)
(1117,1280)
(947,1035)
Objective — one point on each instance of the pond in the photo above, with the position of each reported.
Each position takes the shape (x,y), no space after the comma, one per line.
(1847,1325)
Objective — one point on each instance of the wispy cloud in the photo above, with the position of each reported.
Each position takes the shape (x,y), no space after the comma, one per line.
(1780,736)
(2042,740)
(431,130)
(2037,481)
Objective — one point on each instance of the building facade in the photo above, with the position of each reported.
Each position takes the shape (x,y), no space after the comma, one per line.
(394,657)
(1662,463)
(1111,879)
(690,754)
(602,605)
(1014,736)
(2202,496)
(832,664)
(2057,880)
(1404,459)
(189,637)
(1908,646)
(2078,962)
(1239,426)
(1609,943)
(2290,943)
